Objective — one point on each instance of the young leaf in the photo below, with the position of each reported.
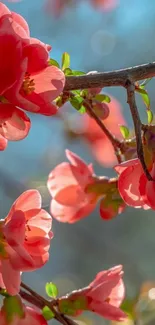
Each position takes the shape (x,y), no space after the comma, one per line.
(103,98)
(54,62)
(149,116)
(51,289)
(77,73)
(144,95)
(65,61)
(77,103)
(125,131)
(66,307)
(145,82)
(47,313)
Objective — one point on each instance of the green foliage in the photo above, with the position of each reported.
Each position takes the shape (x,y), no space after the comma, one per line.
(65,61)
(77,103)
(66,307)
(149,116)
(125,131)
(13,306)
(47,313)
(103,98)
(54,62)
(128,306)
(51,289)
(144,95)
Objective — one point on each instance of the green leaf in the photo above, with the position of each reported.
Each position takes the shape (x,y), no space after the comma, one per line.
(54,62)
(145,82)
(103,98)
(149,116)
(77,103)
(144,95)
(51,289)
(66,307)
(77,73)
(68,72)
(125,131)
(128,306)
(65,61)
(47,313)
(13,306)
(80,303)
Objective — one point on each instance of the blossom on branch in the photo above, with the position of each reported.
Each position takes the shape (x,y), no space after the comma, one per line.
(14,312)
(103,296)
(134,187)
(28,81)
(25,236)
(75,191)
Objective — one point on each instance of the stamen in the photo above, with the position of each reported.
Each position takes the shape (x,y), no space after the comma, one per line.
(28,85)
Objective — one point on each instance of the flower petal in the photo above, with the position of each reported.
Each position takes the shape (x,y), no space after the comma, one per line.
(28,200)
(3,143)
(107,311)
(11,278)
(128,185)
(15,123)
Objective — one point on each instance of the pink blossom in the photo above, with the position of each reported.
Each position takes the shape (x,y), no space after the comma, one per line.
(75,191)
(133,185)
(67,184)
(25,236)
(3,143)
(103,295)
(27,80)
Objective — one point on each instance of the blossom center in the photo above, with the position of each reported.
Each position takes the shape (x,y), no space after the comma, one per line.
(28,85)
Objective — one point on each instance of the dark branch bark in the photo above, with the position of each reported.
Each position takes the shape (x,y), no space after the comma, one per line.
(39,301)
(137,125)
(111,78)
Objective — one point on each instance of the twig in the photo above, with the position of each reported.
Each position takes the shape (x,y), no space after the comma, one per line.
(117,144)
(111,78)
(137,125)
(40,302)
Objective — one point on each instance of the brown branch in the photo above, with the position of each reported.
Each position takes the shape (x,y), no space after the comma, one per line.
(111,78)
(117,144)
(137,125)
(39,301)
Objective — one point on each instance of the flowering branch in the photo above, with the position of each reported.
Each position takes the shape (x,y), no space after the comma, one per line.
(117,144)
(111,78)
(137,125)
(40,302)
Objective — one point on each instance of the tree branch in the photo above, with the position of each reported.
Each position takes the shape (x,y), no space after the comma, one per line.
(137,125)
(39,301)
(111,78)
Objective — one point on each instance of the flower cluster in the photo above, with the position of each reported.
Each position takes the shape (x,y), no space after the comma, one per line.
(25,236)
(27,81)
(75,191)
(103,296)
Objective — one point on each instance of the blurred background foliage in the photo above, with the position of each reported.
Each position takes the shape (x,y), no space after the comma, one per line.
(101,41)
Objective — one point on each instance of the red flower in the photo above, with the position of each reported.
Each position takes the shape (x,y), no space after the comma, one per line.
(75,191)
(25,236)
(67,184)
(3,143)
(26,80)
(134,187)
(103,296)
